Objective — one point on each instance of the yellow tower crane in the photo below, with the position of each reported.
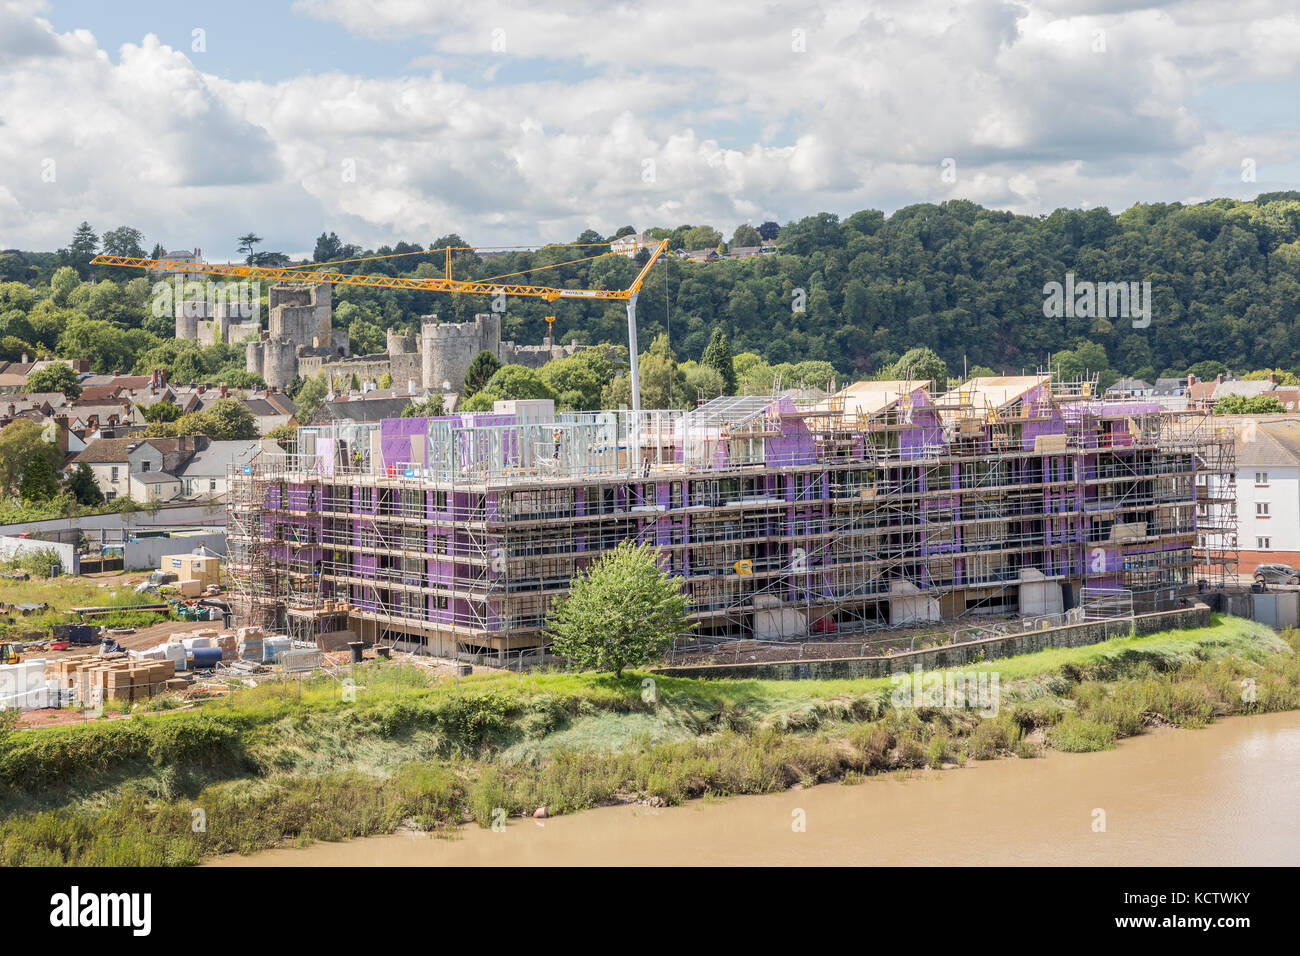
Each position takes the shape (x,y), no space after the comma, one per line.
(445,283)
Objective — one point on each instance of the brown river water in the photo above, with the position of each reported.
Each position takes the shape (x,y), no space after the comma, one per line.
(1225,795)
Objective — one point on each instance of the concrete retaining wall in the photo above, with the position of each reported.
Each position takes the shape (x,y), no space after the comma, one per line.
(953,655)
(180,515)
(147,552)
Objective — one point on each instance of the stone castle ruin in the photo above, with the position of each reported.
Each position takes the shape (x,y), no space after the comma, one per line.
(300,324)
(436,358)
(300,341)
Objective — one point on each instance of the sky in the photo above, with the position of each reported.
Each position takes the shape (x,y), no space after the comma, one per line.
(517,123)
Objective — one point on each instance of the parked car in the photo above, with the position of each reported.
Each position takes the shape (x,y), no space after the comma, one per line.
(1277,574)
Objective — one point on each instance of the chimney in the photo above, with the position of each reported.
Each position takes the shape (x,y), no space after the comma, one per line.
(61,423)
(12,409)
(1218,379)
(202,388)
(225,392)
(24,358)
(1272,378)
(1191,380)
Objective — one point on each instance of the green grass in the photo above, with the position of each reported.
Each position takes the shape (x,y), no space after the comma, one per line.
(68,592)
(298,761)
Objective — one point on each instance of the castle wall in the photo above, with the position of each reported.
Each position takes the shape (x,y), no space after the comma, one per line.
(533,356)
(276,360)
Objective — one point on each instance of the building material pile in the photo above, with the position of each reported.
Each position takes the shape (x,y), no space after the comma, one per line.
(118,677)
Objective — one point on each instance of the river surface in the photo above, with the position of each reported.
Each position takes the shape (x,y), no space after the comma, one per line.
(1225,795)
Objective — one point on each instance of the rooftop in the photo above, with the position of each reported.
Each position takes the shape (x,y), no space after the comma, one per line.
(869,398)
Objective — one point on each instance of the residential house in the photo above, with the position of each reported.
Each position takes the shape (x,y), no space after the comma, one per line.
(1130,388)
(116,463)
(12,383)
(1268,490)
(157,486)
(180,256)
(198,396)
(630,245)
(271,409)
(42,403)
(1289,396)
(206,475)
(87,419)
(1171,393)
(364,409)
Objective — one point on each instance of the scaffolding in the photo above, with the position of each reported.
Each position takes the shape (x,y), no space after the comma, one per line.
(882,508)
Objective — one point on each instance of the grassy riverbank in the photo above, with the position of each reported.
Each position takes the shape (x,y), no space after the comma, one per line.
(303,763)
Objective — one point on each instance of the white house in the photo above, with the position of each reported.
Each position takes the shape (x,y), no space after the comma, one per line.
(1268,492)
(630,245)
(116,463)
(206,475)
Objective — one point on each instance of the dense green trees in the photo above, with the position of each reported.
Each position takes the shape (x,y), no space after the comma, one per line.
(309,397)
(54,378)
(226,419)
(579,379)
(20,441)
(920,364)
(507,383)
(964,282)
(164,411)
(1252,405)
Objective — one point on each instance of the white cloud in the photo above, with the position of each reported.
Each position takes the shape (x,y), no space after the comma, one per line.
(736,115)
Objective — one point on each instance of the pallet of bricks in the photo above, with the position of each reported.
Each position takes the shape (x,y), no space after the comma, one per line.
(115,677)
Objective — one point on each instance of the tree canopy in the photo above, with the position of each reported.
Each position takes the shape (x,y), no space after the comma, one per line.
(622,612)
(481,368)
(55,378)
(858,292)
(226,419)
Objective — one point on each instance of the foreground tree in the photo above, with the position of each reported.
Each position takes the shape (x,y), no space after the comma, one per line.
(623,612)
(164,411)
(919,364)
(18,443)
(247,242)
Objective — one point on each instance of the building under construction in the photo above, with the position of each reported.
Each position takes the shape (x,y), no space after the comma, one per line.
(881,506)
